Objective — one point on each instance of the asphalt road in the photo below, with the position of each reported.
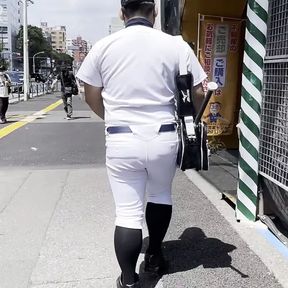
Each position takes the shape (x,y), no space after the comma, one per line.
(51,140)
(56,214)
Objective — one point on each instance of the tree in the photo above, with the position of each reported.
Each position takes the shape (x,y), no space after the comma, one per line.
(37,43)
(62,58)
(3,62)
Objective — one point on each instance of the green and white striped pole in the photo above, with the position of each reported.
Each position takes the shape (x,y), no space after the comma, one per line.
(252,83)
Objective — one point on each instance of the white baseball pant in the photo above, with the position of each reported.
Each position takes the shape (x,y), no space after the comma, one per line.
(139,164)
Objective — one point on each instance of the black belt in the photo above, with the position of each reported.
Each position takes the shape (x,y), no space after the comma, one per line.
(126,129)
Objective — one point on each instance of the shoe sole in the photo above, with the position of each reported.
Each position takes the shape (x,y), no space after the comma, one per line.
(119,284)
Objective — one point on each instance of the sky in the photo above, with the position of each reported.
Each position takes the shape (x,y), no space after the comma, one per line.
(87,18)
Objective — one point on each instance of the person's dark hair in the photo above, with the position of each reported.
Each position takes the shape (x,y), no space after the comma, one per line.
(136,9)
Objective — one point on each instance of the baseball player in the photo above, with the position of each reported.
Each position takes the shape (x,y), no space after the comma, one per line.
(129,81)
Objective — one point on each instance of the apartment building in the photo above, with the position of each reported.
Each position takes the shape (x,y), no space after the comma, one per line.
(71,47)
(11,19)
(56,35)
(81,51)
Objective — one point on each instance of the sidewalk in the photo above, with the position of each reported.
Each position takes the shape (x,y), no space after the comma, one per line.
(56,231)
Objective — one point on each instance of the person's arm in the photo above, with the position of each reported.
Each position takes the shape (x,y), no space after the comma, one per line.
(93,98)
(198,96)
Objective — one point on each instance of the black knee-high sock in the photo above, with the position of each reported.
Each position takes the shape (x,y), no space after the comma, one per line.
(158,217)
(127,243)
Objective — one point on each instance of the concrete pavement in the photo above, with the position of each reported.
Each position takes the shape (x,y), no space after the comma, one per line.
(56,230)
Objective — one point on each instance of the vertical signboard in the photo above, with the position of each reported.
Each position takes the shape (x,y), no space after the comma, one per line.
(219,51)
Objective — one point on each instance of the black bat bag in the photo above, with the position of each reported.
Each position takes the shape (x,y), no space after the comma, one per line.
(193,147)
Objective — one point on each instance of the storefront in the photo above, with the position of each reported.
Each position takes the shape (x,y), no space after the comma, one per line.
(243,46)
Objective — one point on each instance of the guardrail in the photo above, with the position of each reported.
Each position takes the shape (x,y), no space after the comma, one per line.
(35,90)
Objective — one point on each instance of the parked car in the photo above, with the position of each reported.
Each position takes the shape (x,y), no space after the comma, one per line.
(17,81)
(38,77)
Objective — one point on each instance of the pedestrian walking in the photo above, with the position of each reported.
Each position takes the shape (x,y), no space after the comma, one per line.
(68,83)
(129,80)
(5,89)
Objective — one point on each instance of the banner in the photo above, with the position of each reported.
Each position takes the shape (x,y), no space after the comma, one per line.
(220,49)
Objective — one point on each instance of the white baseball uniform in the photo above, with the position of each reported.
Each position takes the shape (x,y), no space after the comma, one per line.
(137,67)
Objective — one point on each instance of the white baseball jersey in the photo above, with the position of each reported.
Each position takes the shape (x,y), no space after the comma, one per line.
(137,67)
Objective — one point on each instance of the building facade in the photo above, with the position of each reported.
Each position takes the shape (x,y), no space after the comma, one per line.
(71,47)
(56,36)
(10,21)
(81,50)
(116,24)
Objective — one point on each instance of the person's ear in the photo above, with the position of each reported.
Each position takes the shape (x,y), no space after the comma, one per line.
(121,14)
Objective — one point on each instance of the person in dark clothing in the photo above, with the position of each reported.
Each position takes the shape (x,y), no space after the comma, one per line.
(68,81)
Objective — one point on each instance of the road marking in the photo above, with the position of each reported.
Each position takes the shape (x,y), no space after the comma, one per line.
(14,126)
(16,116)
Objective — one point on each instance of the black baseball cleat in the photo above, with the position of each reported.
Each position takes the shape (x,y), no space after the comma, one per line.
(134,285)
(155,264)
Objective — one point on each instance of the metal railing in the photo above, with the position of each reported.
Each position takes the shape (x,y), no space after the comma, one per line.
(35,90)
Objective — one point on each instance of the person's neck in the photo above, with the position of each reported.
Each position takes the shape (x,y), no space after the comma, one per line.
(139,20)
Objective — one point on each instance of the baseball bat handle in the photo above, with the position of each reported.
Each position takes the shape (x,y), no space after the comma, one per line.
(212,86)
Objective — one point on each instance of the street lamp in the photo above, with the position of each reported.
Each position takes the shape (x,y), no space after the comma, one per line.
(34,59)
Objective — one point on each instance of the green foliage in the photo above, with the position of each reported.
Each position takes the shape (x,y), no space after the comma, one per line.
(61,58)
(3,62)
(37,43)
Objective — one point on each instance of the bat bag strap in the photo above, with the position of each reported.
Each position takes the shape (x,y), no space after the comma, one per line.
(185,106)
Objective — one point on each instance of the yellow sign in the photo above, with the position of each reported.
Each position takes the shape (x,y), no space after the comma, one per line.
(220,49)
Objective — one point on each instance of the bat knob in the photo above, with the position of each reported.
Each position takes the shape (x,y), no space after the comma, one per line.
(212,86)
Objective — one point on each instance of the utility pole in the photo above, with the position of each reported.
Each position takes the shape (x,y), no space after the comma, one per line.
(25,50)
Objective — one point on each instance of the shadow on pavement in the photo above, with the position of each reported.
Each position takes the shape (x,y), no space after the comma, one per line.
(80,117)
(191,250)
(8,123)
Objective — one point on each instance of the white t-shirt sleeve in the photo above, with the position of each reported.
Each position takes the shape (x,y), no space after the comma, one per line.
(194,66)
(89,71)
